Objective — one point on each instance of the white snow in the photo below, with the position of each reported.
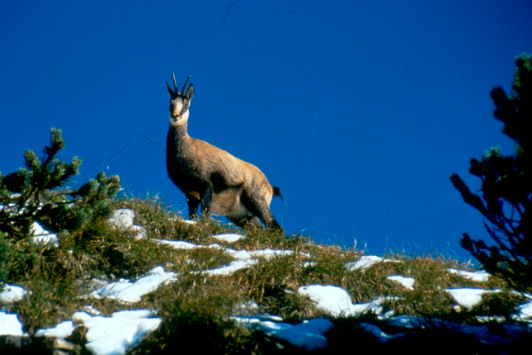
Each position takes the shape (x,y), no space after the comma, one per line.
(62,330)
(468,297)
(332,299)
(123,218)
(232,267)
(229,237)
(337,302)
(407,282)
(479,276)
(131,292)
(525,312)
(254,254)
(269,253)
(367,261)
(177,244)
(12,293)
(239,254)
(42,236)
(116,334)
(10,324)
(308,335)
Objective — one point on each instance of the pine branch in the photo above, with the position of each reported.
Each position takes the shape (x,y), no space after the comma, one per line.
(506,201)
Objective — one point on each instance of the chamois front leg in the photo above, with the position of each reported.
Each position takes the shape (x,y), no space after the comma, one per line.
(193,204)
(206,202)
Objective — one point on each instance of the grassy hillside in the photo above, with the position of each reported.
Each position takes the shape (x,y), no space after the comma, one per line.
(197,308)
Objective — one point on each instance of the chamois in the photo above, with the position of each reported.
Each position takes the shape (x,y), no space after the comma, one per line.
(211,176)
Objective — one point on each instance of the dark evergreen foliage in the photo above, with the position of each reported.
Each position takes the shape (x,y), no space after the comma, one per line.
(506,193)
(4,254)
(37,193)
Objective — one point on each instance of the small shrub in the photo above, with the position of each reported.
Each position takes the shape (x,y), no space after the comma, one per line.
(36,193)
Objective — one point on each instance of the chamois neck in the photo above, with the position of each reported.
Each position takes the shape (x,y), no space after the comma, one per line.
(177,139)
(178,133)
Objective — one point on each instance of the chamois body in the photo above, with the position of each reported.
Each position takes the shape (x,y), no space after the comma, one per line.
(212,177)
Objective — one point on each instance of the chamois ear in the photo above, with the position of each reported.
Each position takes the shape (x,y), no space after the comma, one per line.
(190,92)
(170,91)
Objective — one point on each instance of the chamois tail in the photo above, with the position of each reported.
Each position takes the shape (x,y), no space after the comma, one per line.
(277,192)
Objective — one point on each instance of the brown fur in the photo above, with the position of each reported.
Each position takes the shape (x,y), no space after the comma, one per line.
(212,177)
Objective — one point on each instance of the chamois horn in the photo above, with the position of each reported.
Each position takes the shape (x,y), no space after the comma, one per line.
(184,86)
(175,84)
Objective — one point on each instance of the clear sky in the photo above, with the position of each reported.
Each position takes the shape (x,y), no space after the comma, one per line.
(358,110)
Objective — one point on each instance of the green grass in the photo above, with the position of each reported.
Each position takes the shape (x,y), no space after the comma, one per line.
(196,309)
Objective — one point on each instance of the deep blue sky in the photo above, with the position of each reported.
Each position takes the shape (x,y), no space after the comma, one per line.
(358,110)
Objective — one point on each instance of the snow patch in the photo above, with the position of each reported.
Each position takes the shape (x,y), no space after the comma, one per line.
(42,236)
(131,292)
(367,261)
(12,293)
(177,244)
(62,330)
(407,282)
(269,253)
(478,276)
(525,312)
(229,237)
(337,302)
(232,267)
(10,324)
(116,334)
(468,297)
(123,218)
(308,335)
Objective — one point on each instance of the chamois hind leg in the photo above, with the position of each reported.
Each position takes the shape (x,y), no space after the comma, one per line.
(259,208)
(274,225)
(246,222)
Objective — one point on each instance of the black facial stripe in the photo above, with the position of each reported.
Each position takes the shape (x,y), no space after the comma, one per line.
(183,110)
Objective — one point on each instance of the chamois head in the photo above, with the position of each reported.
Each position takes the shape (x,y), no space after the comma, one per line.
(180,102)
